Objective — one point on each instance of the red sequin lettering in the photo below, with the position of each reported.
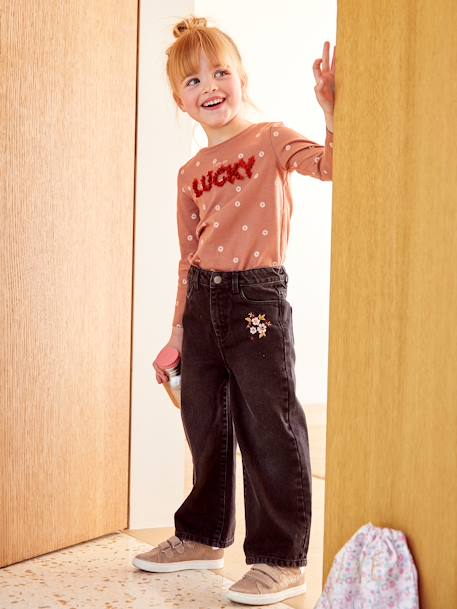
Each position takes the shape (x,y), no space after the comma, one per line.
(217,178)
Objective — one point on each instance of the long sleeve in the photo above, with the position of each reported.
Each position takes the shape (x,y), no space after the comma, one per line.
(187,216)
(295,152)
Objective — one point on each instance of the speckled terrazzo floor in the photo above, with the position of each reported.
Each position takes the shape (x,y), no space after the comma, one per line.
(98,574)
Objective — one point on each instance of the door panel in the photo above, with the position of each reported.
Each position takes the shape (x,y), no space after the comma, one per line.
(68,85)
(392,417)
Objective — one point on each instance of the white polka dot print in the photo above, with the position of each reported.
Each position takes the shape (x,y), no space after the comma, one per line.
(221,200)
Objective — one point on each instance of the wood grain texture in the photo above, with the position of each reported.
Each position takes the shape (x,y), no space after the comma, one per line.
(392,418)
(68,89)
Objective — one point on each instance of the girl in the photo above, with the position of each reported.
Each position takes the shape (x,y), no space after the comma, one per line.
(233,323)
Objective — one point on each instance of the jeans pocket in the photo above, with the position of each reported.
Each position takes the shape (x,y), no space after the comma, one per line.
(262,293)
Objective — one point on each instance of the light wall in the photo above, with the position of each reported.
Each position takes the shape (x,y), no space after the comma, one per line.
(278,47)
(164,142)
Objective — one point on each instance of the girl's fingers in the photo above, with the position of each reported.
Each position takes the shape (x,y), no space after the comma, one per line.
(325,56)
(316,69)
(161,378)
(160,374)
(324,60)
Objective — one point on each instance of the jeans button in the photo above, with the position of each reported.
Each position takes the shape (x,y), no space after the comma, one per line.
(217,279)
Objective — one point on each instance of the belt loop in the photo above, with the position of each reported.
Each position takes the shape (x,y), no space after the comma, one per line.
(235,289)
(195,277)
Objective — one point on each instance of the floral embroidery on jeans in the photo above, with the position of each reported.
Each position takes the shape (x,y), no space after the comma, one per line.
(257,324)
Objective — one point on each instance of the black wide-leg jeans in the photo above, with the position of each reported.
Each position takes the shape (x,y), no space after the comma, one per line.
(238,385)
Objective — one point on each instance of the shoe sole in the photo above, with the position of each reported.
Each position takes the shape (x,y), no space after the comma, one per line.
(265,599)
(159,567)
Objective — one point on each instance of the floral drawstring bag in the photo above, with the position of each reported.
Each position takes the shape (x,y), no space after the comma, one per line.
(373,570)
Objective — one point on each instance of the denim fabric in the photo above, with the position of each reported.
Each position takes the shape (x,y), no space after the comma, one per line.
(238,385)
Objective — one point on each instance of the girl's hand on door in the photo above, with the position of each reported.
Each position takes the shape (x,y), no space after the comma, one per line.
(325,79)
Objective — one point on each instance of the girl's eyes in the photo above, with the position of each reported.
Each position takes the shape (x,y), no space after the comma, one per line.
(221,71)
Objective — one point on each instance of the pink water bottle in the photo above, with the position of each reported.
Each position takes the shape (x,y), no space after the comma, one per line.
(170,361)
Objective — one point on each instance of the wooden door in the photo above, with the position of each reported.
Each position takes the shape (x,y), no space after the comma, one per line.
(68,93)
(392,399)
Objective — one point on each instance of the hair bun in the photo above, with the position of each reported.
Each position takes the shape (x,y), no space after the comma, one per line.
(187,24)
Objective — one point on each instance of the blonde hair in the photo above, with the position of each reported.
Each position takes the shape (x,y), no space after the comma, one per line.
(193,35)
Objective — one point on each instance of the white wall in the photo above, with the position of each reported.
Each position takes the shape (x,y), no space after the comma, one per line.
(278,43)
(164,143)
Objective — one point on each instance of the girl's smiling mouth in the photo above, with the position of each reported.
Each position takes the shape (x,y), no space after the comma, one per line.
(216,103)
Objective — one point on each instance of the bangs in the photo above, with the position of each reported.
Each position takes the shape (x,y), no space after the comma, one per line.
(187,51)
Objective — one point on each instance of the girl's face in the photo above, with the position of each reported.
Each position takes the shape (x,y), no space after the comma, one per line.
(211,83)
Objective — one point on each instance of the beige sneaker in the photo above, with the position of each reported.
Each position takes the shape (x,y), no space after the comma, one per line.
(175,554)
(264,584)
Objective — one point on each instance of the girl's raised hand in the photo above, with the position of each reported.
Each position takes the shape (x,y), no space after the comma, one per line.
(325,79)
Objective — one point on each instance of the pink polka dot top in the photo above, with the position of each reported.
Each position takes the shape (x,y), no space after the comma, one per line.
(235,203)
